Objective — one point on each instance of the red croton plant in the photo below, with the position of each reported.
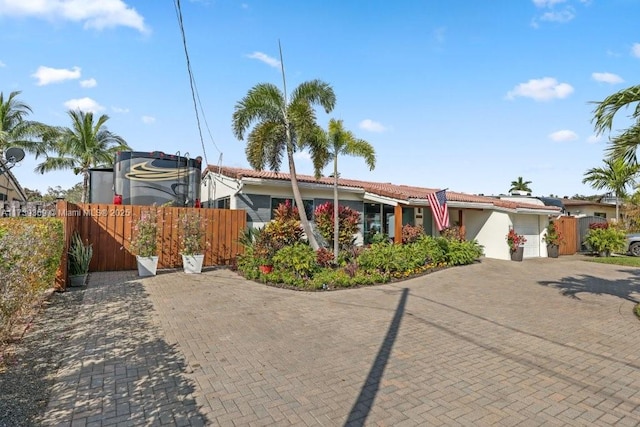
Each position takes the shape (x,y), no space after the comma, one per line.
(514,240)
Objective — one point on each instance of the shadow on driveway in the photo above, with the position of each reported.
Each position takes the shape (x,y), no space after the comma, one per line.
(571,286)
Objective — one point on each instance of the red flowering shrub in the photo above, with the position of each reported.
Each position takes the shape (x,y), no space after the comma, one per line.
(284,230)
(348,219)
(411,233)
(598,226)
(324,257)
(514,240)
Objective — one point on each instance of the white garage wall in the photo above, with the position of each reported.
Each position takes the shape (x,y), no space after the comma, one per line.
(490,229)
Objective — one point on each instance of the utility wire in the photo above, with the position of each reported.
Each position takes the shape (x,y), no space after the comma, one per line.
(194,91)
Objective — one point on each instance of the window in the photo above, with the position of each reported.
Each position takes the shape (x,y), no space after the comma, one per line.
(224,203)
(600,214)
(308,206)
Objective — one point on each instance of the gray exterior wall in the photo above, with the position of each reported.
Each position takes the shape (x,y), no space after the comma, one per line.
(258,207)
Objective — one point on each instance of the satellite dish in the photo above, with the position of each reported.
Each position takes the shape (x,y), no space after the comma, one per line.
(14,154)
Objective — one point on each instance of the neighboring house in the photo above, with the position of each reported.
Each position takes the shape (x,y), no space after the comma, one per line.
(581,208)
(10,191)
(485,219)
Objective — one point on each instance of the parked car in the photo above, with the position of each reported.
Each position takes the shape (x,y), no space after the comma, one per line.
(633,244)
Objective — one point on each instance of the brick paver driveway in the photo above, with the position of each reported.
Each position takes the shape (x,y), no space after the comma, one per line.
(542,342)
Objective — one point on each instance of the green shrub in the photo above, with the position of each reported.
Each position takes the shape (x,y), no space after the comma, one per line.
(462,253)
(248,264)
(299,258)
(607,239)
(30,254)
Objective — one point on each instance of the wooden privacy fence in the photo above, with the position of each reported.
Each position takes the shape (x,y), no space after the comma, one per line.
(110,228)
(567,226)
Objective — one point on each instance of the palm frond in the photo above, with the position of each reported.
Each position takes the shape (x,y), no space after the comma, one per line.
(263,102)
(315,92)
(625,145)
(606,110)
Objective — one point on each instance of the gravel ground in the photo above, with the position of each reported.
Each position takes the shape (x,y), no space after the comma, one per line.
(28,374)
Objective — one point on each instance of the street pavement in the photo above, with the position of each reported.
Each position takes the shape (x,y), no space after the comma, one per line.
(538,342)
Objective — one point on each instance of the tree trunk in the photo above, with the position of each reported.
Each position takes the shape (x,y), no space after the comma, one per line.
(298,198)
(85,185)
(336,215)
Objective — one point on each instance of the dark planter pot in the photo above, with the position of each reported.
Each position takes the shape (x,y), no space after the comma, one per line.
(604,253)
(552,251)
(517,254)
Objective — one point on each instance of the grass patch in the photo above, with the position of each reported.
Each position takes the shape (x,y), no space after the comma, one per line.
(629,261)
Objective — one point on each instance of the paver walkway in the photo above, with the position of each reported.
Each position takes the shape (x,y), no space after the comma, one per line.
(542,342)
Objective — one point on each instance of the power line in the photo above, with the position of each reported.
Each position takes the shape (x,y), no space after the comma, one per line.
(194,91)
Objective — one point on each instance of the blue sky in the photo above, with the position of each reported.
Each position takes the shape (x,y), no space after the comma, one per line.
(459,94)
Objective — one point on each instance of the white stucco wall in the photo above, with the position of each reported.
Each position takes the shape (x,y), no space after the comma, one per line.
(215,187)
(490,229)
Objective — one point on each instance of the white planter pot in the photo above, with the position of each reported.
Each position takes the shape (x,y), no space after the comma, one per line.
(192,264)
(78,280)
(147,265)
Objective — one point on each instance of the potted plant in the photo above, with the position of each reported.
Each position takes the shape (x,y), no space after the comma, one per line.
(145,244)
(554,239)
(516,244)
(192,230)
(79,258)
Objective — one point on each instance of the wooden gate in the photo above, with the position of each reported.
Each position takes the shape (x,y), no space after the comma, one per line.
(567,226)
(109,229)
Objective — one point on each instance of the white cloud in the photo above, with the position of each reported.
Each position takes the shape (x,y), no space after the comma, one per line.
(120,110)
(148,120)
(543,89)
(88,83)
(546,3)
(371,126)
(561,14)
(563,136)
(98,14)
(48,75)
(607,78)
(594,139)
(635,50)
(265,58)
(87,105)
(564,15)
(2,64)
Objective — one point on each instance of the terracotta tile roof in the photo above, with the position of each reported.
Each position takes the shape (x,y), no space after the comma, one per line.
(404,193)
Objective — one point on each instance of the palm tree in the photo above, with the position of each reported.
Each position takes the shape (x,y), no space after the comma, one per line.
(338,141)
(282,127)
(520,185)
(15,130)
(615,176)
(623,146)
(86,144)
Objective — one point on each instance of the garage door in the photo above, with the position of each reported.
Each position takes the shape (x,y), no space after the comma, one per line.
(529,227)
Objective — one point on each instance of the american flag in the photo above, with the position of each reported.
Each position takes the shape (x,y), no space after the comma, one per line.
(438,203)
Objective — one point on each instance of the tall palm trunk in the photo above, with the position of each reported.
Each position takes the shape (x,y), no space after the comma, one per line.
(336,215)
(298,198)
(85,185)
